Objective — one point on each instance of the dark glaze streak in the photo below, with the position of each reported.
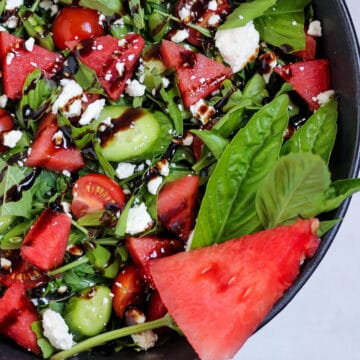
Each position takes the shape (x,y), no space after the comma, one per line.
(188,59)
(15,192)
(124,122)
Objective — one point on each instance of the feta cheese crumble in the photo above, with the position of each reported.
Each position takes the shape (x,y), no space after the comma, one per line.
(154,184)
(202,111)
(56,330)
(138,219)
(69,100)
(13,4)
(92,112)
(238,46)
(29,44)
(324,97)
(180,36)
(134,88)
(212,5)
(3,101)
(315,28)
(11,138)
(125,170)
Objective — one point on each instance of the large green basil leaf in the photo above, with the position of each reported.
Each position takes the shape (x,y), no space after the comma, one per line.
(213,140)
(293,188)
(246,12)
(228,207)
(317,135)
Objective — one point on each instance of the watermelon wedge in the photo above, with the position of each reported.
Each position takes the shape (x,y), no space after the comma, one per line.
(218,295)
(198,75)
(18,62)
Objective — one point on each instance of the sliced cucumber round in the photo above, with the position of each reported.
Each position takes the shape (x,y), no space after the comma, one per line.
(132,133)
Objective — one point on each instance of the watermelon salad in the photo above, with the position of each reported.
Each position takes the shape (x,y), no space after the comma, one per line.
(160,162)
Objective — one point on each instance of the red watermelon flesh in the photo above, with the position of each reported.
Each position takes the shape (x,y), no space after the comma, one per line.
(198,75)
(104,54)
(18,63)
(219,295)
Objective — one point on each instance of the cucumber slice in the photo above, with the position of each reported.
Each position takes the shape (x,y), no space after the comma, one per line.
(87,314)
(133,134)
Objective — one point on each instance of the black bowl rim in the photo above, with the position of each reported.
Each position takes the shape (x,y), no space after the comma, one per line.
(353,173)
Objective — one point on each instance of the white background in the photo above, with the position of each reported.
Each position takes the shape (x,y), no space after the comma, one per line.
(323,321)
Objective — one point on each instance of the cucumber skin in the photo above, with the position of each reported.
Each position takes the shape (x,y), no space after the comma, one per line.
(148,137)
(88,316)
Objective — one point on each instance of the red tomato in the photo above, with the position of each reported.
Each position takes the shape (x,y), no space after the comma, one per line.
(128,289)
(74,24)
(94,192)
(6,124)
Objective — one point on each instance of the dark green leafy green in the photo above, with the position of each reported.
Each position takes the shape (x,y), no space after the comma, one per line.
(317,135)
(87,79)
(46,349)
(228,207)
(107,7)
(293,188)
(213,140)
(326,226)
(246,12)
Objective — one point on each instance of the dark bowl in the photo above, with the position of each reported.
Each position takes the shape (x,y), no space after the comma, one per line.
(340,45)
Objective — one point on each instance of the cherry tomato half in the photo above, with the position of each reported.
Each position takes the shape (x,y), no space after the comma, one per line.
(94,192)
(74,24)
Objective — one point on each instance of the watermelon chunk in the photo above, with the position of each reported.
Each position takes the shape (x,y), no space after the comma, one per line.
(309,53)
(45,154)
(17,313)
(18,63)
(142,250)
(308,78)
(218,295)
(198,75)
(45,244)
(112,59)
(176,205)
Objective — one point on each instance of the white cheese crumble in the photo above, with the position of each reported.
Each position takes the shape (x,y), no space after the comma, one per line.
(124,170)
(214,20)
(153,184)
(5,263)
(180,36)
(238,46)
(324,97)
(9,58)
(11,138)
(165,81)
(58,138)
(202,111)
(69,100)
(3,101)
(212,5)
(145,340)
(11,22)
(13,4)
(134,88)
(56,330)
(315,28)
(49,5)
(185,14)
(29,44)
(138,219)
(163,167)
(92,112)
(120,67)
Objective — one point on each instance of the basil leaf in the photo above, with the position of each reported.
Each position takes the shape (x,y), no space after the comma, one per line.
(228,207)
(213,140)
(327,225)
(317,135)
(285,30)
(107,7)
(288,6)
(294,187)
(339,191)
(246,12)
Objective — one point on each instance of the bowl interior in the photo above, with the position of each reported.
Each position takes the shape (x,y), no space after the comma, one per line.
(340,45)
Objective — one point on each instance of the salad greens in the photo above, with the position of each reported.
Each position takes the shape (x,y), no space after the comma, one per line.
(262,156)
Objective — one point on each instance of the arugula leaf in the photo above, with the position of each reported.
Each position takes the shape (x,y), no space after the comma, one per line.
(317,135)
(87,79)
(107,7)
(12,176)
(246,12)
(14,237)
(137,13)
(294,187)
(339,191)
(228,207)
(175,113)
(38,94)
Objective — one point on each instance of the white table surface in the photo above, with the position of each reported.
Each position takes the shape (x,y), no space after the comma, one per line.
(323,321)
